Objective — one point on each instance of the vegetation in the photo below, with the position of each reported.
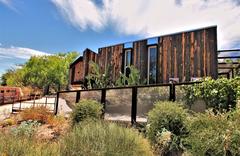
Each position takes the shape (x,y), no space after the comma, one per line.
(166,127)
(212,134)
(41,72)
(40,114)
(100,138)
(86,109)
(97,78)
(14,145)
(131,80)
(219,94)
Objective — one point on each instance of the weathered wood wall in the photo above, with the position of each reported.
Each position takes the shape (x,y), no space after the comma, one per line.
(88,56)
(78,72)
(80,68)
(188,54)
(181,55)
(140,57)
(111,57)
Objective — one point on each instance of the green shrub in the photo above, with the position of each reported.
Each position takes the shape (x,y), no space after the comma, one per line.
(86,109)
(167,126)
(214,134)
(219,94)
(26,128)
(101,138)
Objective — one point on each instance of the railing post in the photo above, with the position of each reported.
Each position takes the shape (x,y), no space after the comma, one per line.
(46,101)
(103,101)
(172,94)
(78,96)
(134,105)
(56,104)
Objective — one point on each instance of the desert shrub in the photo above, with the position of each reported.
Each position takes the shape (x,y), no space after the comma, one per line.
(214,134)
(166,126)
(86,109)
(8,122)
(219,94)
(26,128)
(11,145)
(40,114)
(101,138)
(56,121)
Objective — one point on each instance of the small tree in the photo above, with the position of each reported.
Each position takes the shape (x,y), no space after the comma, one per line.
(132,79)
(98,79)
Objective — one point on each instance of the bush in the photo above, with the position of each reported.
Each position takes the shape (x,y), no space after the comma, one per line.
(86,109)
(40,114)
(212,134)
(166,126)
(99,138)
(219,94)
(26,128)
(7,122)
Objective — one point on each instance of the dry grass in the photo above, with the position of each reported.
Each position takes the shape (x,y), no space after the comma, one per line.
(40,114)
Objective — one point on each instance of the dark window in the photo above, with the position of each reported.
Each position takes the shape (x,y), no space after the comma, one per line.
(127,60)
(152,64)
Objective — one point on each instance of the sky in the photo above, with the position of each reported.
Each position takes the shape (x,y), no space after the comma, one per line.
(44,27)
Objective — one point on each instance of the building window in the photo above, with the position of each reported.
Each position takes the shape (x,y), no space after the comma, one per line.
(152,65)
(127,61)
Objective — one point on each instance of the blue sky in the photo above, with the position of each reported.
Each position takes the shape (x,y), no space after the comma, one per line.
(38,27)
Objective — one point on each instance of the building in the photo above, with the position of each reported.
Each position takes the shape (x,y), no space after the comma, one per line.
(181,57)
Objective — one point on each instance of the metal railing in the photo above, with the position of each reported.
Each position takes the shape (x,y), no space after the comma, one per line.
(171,95)
(33,101)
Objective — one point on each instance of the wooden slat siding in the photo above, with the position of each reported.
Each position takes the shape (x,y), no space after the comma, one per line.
(85,62)
(175,61)
(213,47)
(187,56)
(178,54)
(183,55)
(140,58)
(195,55)
(79,72)
(182,77)
(165,59)
(200,54)
(172,41)
(204,54)
(116,61)
(160,61)
(208,54)
(88,56)
(192,55)
(143,60)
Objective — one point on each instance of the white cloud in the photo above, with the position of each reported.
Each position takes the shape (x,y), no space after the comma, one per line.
(81,13)
(155,17)
(9,4)
(19,53)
